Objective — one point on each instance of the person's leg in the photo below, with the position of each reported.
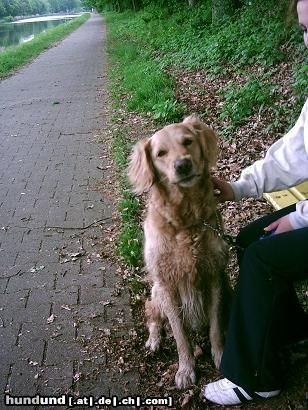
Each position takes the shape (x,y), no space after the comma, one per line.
(260,321)
(251,233)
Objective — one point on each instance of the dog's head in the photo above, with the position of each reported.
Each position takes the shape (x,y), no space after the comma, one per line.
(179,154)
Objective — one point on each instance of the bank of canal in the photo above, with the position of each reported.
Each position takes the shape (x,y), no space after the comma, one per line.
(14,57)
(24,30)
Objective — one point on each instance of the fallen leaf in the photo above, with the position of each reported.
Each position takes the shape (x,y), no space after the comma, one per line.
(65,307)
(37,269)
(51,319)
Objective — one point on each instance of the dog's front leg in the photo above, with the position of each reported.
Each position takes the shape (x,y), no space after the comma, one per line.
(154,318)
(216,331)
(154,324)
(185,375)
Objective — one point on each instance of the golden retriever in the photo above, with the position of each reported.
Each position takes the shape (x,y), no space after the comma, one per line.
(185,258)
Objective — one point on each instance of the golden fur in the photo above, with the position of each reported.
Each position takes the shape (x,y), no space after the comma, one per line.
(185,260)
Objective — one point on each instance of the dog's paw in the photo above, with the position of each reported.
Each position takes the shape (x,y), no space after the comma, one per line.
(153,343)
(185,377)
(216,355)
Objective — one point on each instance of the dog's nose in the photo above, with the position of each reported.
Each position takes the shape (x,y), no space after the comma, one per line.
(183,166)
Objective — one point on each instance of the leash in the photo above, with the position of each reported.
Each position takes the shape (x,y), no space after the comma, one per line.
(229,239)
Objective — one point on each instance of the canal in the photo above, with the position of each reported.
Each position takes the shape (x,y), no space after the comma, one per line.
(21,31)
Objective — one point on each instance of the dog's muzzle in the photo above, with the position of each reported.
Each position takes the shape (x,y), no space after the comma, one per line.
(185,172)
(183,167)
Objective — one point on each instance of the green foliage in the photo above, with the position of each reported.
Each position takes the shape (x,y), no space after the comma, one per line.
(147,84)
(56,6)
(144,85)
(256,35)
(168,110)
(168,6)
(31,7)
(129,207)
(121,147)
(188,37)
(8,19)
(130,243)
(241,102)
(22,8)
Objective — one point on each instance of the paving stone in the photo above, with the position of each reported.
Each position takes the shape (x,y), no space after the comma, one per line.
(8,336)
(22,381)
(56,380)
(3,284)
(28,280)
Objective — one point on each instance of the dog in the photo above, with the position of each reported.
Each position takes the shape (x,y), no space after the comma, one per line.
(184,252)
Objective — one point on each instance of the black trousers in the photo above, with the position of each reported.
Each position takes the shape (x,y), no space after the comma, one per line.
(266,314)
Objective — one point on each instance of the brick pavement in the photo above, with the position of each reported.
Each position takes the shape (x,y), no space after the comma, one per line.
(49,112)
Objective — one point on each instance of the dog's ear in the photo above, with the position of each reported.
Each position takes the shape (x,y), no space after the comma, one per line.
(140,170)
(208,138)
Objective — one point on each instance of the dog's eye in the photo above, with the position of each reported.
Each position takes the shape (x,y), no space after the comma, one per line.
(187,142)
(161,153)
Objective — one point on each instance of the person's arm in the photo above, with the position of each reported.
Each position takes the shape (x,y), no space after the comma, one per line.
(285,164)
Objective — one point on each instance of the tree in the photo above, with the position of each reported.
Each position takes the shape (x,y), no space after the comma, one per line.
(224,8)
(30,7)
(2,9)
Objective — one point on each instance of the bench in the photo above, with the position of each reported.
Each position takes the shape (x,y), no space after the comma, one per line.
(281,199)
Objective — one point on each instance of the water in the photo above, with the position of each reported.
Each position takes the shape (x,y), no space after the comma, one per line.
(22,31)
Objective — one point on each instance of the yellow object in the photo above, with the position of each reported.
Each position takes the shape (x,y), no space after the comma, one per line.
(281,199)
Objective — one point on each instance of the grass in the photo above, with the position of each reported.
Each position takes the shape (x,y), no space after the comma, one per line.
(145,47)
(15,57)
(131,235)
(144,85)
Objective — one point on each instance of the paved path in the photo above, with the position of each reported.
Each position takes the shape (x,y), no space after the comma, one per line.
(56,292)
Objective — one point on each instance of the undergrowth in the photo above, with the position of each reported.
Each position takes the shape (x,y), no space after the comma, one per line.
(241,102)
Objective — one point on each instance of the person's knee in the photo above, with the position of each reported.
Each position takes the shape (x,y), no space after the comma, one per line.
(241,243)
(246,237)
(253,264)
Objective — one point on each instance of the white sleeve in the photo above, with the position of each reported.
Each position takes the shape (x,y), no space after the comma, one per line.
(285,164)
(299,218)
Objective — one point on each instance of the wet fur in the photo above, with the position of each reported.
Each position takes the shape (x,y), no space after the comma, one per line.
(186,262)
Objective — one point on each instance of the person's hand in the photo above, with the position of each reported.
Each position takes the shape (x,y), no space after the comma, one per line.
(223,189)
(281,225)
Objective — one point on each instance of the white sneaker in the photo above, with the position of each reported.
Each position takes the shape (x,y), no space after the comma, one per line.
(225,392)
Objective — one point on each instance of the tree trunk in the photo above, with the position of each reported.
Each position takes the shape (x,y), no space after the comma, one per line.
(191,3)
(222,8)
